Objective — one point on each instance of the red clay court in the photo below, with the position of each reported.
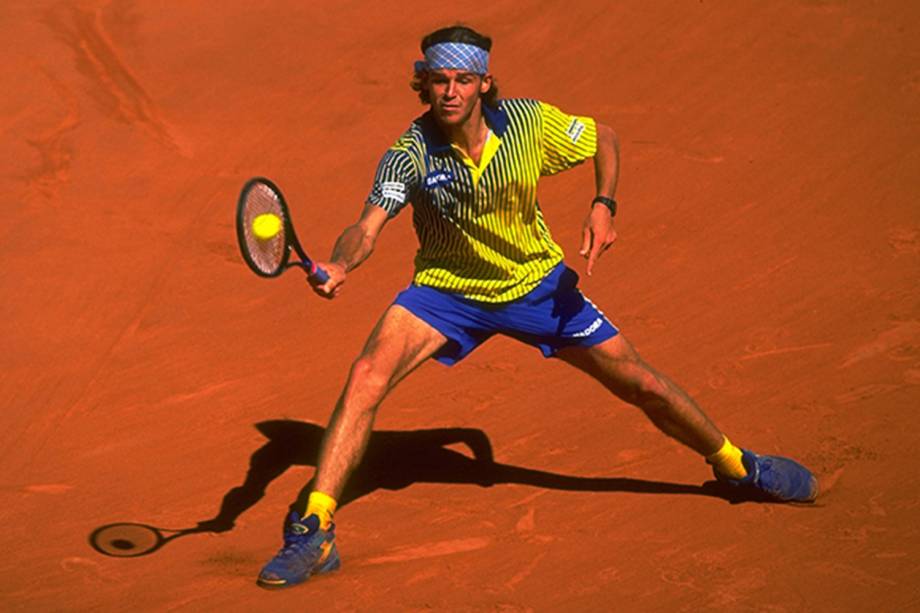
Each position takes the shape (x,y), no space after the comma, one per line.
(767,260)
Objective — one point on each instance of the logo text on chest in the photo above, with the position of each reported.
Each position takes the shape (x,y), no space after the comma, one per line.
(438,178)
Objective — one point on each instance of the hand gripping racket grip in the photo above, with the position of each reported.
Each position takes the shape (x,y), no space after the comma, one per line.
(317,274)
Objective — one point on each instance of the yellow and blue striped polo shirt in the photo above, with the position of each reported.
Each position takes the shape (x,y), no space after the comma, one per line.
(480,229)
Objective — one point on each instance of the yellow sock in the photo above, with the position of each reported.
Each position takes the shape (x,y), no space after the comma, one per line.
(323,506)
(727,461)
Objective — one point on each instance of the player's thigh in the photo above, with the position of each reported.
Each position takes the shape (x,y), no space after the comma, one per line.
(615,363)
(399,343)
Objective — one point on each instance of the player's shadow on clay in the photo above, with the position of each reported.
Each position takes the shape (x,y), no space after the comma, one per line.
(394,460)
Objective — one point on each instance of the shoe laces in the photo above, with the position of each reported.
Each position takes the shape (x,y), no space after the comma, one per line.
(294,545)
(297,539)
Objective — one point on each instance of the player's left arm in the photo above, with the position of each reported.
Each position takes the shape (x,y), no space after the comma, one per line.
(598,233)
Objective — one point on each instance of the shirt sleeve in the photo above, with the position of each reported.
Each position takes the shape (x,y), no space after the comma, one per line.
(395,181)
(568,140)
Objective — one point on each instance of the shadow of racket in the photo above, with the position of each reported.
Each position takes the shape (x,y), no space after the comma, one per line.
(131,540)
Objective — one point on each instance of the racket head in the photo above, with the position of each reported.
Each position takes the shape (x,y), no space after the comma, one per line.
(126,540)
(266,257)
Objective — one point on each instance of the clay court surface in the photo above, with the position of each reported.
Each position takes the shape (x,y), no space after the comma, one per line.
(768,261)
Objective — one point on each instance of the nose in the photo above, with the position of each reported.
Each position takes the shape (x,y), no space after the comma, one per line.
(451,89)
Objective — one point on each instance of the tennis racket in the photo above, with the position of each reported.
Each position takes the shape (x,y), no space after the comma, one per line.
(269,257)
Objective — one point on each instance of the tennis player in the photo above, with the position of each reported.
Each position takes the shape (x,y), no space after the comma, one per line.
(487,265)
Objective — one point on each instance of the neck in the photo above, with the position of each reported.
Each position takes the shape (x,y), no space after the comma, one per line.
(471,133)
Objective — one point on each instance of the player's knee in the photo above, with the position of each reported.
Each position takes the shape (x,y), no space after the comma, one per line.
(367,374)
(646,390)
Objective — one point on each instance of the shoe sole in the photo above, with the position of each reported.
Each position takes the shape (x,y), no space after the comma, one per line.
(332,564)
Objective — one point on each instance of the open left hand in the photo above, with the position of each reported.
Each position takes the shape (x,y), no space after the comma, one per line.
(598,235)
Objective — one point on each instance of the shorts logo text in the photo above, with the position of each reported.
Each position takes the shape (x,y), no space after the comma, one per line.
(590,329)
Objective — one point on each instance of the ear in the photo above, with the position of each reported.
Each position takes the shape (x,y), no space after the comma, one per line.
(486,84)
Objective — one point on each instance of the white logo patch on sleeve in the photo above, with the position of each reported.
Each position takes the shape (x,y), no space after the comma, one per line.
(394,190)
(574,130)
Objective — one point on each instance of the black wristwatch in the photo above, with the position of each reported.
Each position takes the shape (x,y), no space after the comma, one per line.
(610,203)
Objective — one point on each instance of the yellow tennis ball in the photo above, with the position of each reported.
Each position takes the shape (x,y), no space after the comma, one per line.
(266,226)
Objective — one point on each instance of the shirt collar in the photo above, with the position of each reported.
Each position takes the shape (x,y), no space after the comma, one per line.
(436,142)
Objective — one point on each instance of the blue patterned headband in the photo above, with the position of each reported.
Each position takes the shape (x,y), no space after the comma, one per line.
(459,56)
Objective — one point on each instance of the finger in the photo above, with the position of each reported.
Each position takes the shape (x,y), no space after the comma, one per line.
(328,290)
(596,251)
(585,242)
(611,239)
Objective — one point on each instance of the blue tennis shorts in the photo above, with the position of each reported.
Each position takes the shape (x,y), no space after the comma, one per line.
(555,314)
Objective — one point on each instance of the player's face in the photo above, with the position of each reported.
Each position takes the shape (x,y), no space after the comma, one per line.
(454,94)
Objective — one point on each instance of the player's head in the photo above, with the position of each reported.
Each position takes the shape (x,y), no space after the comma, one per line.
(454,76)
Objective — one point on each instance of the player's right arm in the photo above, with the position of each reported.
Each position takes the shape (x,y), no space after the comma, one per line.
(353,246)
(394,182)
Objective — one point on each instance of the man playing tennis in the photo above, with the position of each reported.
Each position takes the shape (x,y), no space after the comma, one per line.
(487,265)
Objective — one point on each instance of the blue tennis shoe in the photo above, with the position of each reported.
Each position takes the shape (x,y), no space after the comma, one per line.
(779,478)
(308,550)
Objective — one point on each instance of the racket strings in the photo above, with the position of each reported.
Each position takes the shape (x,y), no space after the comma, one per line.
(266,254)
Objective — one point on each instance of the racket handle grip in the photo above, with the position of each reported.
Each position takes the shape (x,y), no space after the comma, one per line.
(318,274)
